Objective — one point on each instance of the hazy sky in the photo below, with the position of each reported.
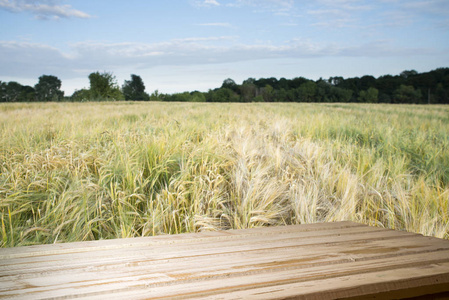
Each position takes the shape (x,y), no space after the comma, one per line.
(179,45)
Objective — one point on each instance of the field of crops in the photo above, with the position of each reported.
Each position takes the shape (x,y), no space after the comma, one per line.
(85,171)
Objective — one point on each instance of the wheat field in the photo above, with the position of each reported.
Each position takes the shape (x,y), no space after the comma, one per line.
(86,171)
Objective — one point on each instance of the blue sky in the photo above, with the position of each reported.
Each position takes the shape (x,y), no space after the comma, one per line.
(179,45)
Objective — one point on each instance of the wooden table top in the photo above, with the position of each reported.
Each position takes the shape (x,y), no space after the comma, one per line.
(317,261)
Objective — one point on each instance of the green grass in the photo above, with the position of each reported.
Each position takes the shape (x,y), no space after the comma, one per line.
(85,171)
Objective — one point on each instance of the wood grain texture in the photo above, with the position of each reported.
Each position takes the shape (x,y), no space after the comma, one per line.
(342,260)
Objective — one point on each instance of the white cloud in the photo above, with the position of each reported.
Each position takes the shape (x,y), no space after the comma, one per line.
(277,7)
(434,7)
(28,59)
(211,2)
(43,9)
(384,48)
(405,13)
(339,13)
(206,3)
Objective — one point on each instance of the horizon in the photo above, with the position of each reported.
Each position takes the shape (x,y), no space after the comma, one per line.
(241,82)
(195,45)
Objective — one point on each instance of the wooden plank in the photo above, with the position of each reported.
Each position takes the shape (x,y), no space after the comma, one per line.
(236,262)
(187,238)
(206,247)
(184,283)
(318,261)
(172,284)
(402,283)
(217,255)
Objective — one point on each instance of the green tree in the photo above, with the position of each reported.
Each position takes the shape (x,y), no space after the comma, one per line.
(408,73)
(297,82)
(222,95)
(283,84)
(250,80)
(442,93)
(156,96)
(336,81)
(248,90)
(2,91)
(81,95)
(370,95)
(366,82)
(28,94)
(281,95)
(322,91)
(11,92)
(178,97)
(267,93)
(407,94)
(336,94)
(15,92)
(306,92)
(230,84)
(134,89)
(49,88)
(197,96)
(263,82)
(258,98)
(104,87)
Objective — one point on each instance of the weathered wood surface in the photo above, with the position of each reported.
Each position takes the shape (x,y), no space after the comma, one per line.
(318,261)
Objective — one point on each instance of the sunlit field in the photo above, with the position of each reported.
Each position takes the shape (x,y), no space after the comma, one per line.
(86,171)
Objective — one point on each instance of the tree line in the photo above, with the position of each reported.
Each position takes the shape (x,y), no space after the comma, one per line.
(407,87)
(103,87)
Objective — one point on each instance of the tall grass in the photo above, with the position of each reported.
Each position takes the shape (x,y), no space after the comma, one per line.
(85,171)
